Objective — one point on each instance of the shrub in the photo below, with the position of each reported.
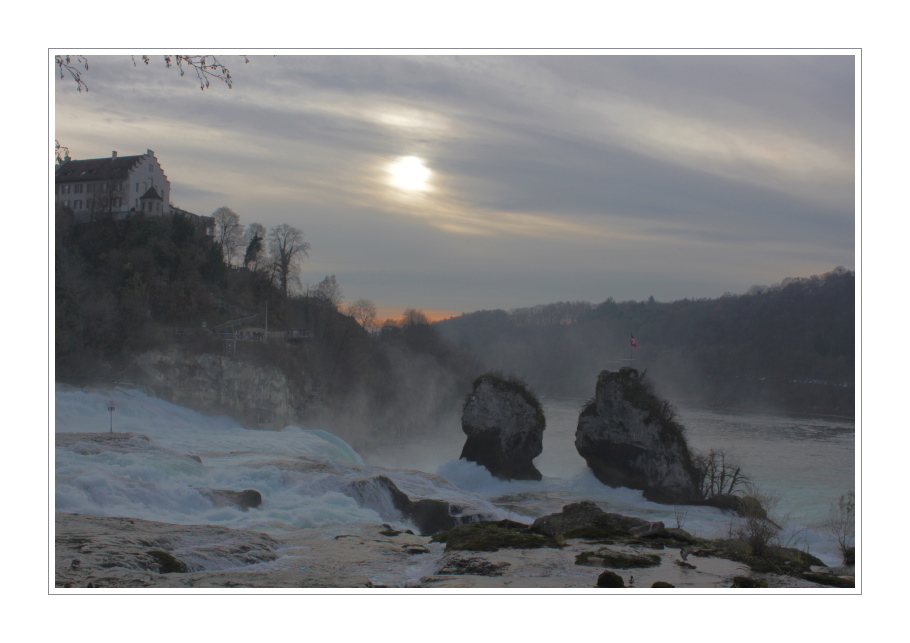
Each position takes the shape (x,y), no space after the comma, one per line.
(841,523)
(757,528)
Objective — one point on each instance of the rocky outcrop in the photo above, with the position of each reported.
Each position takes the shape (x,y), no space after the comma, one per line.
(245,500)
(629,438)
(586,520)
(255,395)
(429,515)
(504,423)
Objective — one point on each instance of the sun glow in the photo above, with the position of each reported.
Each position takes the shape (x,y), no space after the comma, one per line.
(410,173)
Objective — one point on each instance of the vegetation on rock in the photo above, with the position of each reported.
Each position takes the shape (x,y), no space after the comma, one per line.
(493,536)
(606,557)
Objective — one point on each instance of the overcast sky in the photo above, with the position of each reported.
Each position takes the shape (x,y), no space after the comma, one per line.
(458,183)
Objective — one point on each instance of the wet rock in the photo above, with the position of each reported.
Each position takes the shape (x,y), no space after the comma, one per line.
(382,495)
(606,557)
(586,520)
(166,562)
(473,567)
(629,438)
(610,579)
(580,520)
(504,423)
(246,499)
(493,535)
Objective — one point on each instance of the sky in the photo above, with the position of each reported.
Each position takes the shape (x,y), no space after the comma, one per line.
(457,182)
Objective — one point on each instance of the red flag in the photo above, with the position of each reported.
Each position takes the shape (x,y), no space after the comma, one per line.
(632,341)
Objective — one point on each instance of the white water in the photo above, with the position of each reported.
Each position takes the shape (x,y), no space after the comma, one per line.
(302,473)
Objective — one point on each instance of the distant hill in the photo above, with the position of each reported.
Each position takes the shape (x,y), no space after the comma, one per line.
(788,347)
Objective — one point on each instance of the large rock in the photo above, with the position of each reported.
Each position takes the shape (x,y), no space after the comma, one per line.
(504,423)
(245,500)
(629,438)
(429,515)
(586,520)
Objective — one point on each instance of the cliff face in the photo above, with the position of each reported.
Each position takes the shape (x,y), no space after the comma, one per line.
(629,439)
(504,423)
(256,395)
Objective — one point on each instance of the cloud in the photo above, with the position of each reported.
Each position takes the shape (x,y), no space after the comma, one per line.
(671,171)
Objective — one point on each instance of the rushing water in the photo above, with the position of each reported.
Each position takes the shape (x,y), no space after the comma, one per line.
(809,462)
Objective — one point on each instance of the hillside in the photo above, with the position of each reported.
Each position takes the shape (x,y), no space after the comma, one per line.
(789,347)
(147,285)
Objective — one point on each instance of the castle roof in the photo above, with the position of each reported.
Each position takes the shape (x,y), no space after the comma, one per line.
(151,193)
(104,169)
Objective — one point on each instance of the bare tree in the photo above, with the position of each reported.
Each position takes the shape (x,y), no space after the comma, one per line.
(841,523)
(229,232)
(717,475)
(329,291)
(206,67)
(288,248)
(413,317)
(364,312)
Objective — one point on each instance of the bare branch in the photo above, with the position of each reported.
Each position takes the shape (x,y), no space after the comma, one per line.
(206,68)
(65,63)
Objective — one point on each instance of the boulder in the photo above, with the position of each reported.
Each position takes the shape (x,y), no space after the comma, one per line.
(586,520)
(504,423)
(246,499)
(383,496)
(610,579)
(573,517)
(629,438)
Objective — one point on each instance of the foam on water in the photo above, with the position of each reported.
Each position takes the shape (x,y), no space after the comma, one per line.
(302,473)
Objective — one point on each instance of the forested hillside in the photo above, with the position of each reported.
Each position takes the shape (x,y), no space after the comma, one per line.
(788,347)
(151,283)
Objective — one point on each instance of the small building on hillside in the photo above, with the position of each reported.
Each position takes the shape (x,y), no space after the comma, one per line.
(116,187)
(112,186)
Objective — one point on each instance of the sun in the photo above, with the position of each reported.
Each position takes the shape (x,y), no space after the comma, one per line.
(410,173)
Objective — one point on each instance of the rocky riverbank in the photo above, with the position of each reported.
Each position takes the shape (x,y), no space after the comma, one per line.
(113,553)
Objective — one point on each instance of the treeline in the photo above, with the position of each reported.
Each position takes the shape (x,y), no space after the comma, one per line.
(788,347)
(123,287)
